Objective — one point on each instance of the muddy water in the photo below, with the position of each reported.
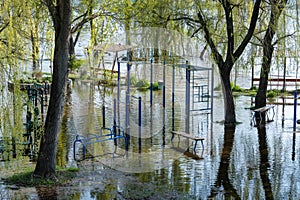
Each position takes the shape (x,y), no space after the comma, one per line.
(245,163)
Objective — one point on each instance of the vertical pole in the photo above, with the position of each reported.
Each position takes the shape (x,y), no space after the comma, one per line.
(164,112)
(115,122)
(193,90)
(115,111)
(212,108)
(212,88)
(151,82)
(118,92)
(252,72)
(164,84)
(208,80)
(140,124)
(187,98)
(173,97)
(284,75)
(294,125)
(127,105)
(295,110)
(103,115)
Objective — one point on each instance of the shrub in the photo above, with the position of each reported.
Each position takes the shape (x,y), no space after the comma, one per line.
(271,94)
(75,64)
(236,88)
(142,84)
(155,86)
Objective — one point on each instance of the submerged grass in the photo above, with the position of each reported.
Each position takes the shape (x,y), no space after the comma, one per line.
(26,179)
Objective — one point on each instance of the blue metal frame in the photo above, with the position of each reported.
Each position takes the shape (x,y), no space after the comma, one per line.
(115,132)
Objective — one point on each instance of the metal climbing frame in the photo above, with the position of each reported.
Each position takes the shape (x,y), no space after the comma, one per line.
(200,81)
(37,102)
(115,132)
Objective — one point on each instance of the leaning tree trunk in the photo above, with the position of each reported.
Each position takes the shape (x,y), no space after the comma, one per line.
(268,48)
(260,98)
(46,163)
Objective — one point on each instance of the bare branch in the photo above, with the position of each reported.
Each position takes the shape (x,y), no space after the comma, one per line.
(217,56)
(283,37)
(251,29)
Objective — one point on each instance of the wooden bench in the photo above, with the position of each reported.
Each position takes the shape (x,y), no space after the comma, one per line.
(189,136)
(265,109)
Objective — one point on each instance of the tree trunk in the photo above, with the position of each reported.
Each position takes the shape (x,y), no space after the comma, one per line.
(260,98)
(72,46)
(268,48)
(224,168)
(35,50)
(225,65)
(46,162)
(229,108)
(264,164)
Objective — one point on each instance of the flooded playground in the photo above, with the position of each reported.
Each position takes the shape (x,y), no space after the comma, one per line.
(246,163)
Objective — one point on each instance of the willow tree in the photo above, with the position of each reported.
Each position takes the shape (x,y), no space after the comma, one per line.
(220,23)
(13,49)
(226,62)
(277,7)
(60,11)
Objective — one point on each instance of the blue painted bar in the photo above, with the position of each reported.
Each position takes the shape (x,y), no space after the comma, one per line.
(103,116)
(118,92)
(140,124)
(128,105)
(295,111)
(164,84)
(151,82)
(187,98)
(173,97)
(115,122)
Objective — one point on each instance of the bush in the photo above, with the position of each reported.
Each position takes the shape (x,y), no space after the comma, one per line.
(236,88)
(142,84)
(133,80)
(271,94)
(155,86)
(75,64)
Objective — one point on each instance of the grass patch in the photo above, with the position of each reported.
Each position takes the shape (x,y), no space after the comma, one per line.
(142,85)
(26,179)
(155,86)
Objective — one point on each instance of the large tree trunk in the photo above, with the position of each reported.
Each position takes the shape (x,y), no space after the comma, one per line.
(260,98)
(229,108)
(46,162)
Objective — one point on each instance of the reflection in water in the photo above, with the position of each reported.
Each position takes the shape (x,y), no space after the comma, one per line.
(48,193)
(294,145)
(65,136)
(223,177)
(246,164)
(264,161)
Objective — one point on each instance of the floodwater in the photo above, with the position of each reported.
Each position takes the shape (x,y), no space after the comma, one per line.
(245,163)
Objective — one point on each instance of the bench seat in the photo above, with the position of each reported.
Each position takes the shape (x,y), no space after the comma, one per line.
(189,136)
(266,109)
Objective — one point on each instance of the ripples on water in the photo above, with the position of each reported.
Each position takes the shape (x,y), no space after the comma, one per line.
(249,163)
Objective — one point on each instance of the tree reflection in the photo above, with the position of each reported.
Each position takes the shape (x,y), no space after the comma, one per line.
(47,193)
(264,162)
(223,177)
(66,129)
